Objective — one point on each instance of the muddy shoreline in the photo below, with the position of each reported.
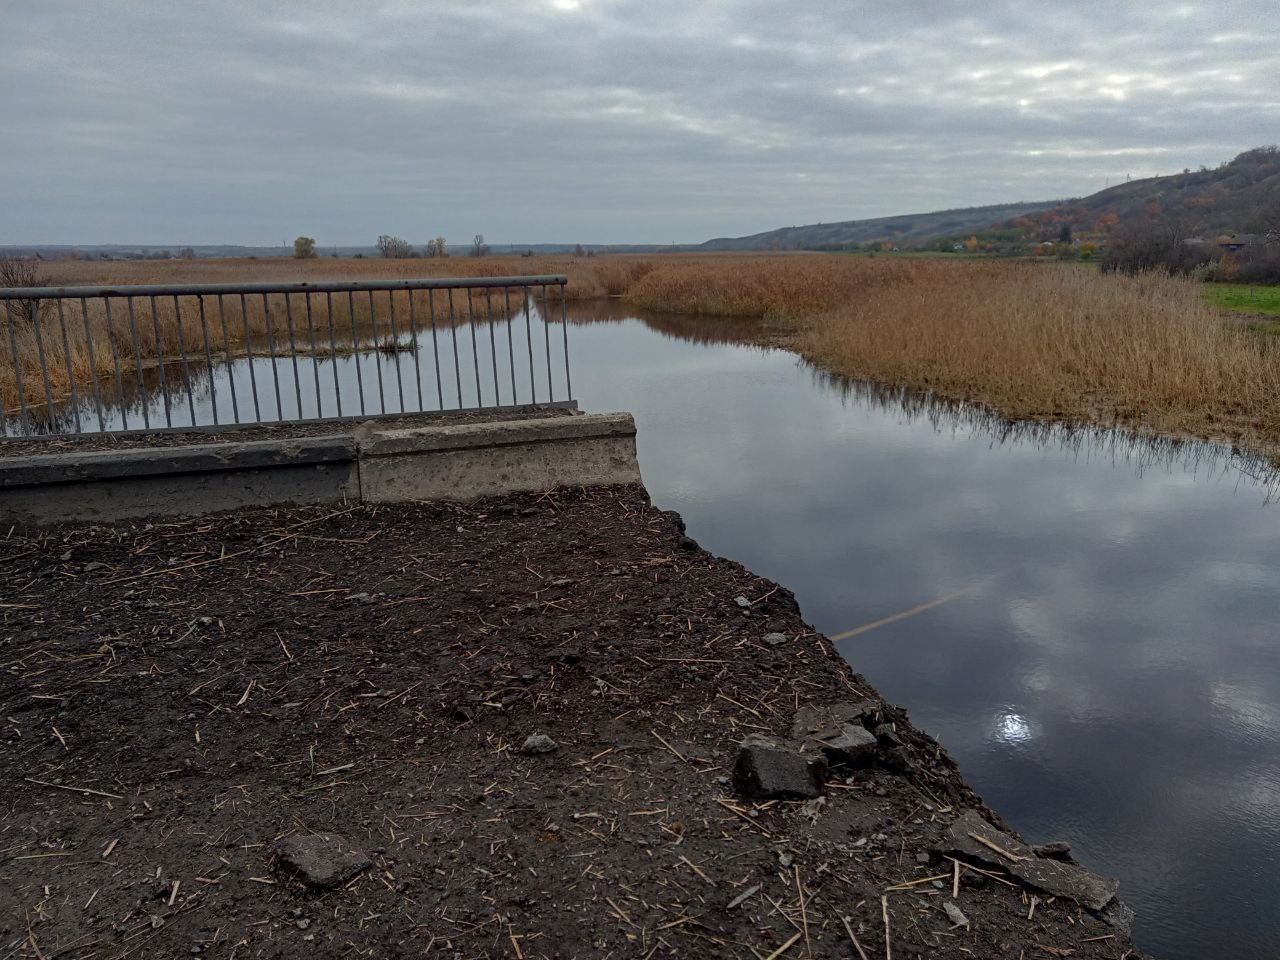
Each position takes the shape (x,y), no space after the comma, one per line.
(507,728)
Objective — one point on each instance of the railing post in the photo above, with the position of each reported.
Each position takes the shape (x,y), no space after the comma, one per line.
(23,422)
(93,363)
(564,330)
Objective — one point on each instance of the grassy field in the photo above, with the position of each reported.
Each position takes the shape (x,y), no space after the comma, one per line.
(1244,298)
(1024,339)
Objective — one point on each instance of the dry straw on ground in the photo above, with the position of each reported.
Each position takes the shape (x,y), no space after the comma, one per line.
(1037,341)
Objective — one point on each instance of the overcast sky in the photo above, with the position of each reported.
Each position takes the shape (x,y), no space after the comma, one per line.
(600,120)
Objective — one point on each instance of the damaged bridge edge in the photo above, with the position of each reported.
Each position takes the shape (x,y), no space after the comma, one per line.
(364,464)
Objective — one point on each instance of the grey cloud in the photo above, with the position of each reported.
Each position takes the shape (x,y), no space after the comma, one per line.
(601,121)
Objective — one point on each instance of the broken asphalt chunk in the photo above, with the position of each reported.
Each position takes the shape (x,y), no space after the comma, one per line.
(838,732)
(322,861)
(767,769)
(973,837)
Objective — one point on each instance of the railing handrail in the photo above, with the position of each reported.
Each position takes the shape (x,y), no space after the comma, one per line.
(324,286)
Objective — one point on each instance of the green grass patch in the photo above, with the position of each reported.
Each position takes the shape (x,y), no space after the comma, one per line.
(1244,298)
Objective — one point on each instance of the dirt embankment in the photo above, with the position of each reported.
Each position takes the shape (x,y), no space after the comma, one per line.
(505,729)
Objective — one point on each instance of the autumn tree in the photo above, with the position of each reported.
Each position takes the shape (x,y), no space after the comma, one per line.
(1271,222)
(24,272)
(478,247)
(1139,244)
(393,248)
(304,248)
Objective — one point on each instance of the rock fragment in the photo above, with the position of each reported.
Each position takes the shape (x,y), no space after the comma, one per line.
(539,743)
(765,768)
(838,732)
(954,915)
(322,861)
(1057,850)
(1120,915)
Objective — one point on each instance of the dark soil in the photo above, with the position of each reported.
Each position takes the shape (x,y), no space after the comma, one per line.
(183,436)
(185,704)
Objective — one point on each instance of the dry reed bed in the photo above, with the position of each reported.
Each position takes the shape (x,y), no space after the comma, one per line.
(588,277)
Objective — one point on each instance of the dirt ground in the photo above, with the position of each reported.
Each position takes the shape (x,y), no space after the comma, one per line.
(183,702)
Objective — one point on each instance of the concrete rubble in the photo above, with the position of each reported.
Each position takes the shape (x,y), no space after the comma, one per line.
(322,861)
(837,731)
(974,839)
(770,769)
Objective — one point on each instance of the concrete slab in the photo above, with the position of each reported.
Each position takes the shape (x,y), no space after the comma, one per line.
(484,459)
(162,461)
(445,461)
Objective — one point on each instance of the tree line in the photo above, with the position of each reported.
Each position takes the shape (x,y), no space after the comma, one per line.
(1162,243)
(394,248)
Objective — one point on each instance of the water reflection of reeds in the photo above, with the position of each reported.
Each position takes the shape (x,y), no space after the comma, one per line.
(1119,445)
(691,328)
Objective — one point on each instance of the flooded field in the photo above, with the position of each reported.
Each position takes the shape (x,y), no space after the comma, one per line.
(1088,623)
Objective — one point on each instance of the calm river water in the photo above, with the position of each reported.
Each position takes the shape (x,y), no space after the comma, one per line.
(1103,661)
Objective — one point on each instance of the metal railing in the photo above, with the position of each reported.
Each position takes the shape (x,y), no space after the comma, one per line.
(93,359)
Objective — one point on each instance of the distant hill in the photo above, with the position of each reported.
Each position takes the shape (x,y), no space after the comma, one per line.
(907,227)
(1239,196)
(1242,195)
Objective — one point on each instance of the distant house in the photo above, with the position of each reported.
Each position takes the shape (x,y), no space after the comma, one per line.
(1238,241)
